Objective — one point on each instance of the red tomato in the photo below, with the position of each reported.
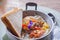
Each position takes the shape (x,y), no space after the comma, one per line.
(24,26)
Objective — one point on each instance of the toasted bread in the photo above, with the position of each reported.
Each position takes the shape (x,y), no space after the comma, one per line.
(13,21)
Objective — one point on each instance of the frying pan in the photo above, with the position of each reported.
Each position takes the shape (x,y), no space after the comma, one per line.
(49,18)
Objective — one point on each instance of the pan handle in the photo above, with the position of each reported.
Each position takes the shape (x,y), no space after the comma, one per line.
(52,16)
(31,4)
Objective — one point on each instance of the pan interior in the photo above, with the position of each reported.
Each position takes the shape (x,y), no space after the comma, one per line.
(44,16)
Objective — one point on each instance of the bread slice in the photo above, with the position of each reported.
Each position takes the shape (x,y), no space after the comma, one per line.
(13,21)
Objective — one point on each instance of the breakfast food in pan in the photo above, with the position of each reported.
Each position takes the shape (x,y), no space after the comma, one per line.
(34,26)
(28,26)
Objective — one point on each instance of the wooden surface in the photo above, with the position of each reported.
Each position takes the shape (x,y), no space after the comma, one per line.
(54,4)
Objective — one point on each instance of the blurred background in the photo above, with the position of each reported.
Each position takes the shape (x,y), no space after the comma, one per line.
(54,4)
